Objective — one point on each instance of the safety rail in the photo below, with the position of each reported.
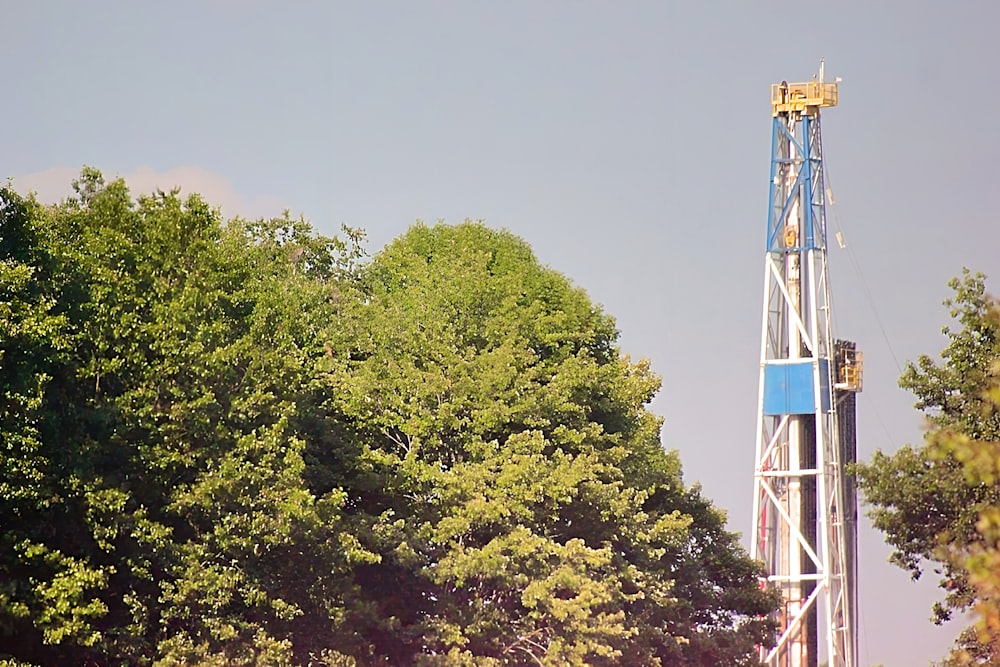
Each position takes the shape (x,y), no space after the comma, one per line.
(850,370)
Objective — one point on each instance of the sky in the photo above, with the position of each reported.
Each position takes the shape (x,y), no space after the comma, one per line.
(627,142)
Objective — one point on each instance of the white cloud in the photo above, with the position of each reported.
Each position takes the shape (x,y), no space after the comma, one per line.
(52,185)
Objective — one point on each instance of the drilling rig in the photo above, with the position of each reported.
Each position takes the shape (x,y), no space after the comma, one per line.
(804,506)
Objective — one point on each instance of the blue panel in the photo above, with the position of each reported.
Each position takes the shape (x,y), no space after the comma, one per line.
(824,384)
(788,388)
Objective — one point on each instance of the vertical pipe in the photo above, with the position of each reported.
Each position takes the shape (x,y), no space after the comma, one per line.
(792,554)
(807,175)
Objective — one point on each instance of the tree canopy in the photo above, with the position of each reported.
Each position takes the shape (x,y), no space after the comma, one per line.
(238,442)
(939,504)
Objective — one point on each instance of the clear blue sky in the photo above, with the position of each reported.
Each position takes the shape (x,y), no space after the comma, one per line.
(627,142)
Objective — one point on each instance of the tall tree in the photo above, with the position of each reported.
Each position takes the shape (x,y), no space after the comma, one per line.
(938,504)
(524,509)
(155,496)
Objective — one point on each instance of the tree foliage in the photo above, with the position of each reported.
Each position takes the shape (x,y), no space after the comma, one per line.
(525,508)
(237,443)
(940,503)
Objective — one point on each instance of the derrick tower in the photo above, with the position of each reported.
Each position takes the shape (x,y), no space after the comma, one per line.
(805,509)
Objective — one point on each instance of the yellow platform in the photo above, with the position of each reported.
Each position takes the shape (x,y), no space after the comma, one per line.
(806,98)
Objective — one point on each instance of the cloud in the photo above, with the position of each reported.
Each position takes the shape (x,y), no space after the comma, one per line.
(52,185)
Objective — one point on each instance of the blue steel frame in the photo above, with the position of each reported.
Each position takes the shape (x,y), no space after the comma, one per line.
(808,178)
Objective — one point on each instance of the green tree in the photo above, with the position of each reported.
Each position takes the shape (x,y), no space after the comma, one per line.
(156,361)
(524,510)
(938,504)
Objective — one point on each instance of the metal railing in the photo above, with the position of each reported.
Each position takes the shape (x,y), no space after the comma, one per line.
(797,96)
